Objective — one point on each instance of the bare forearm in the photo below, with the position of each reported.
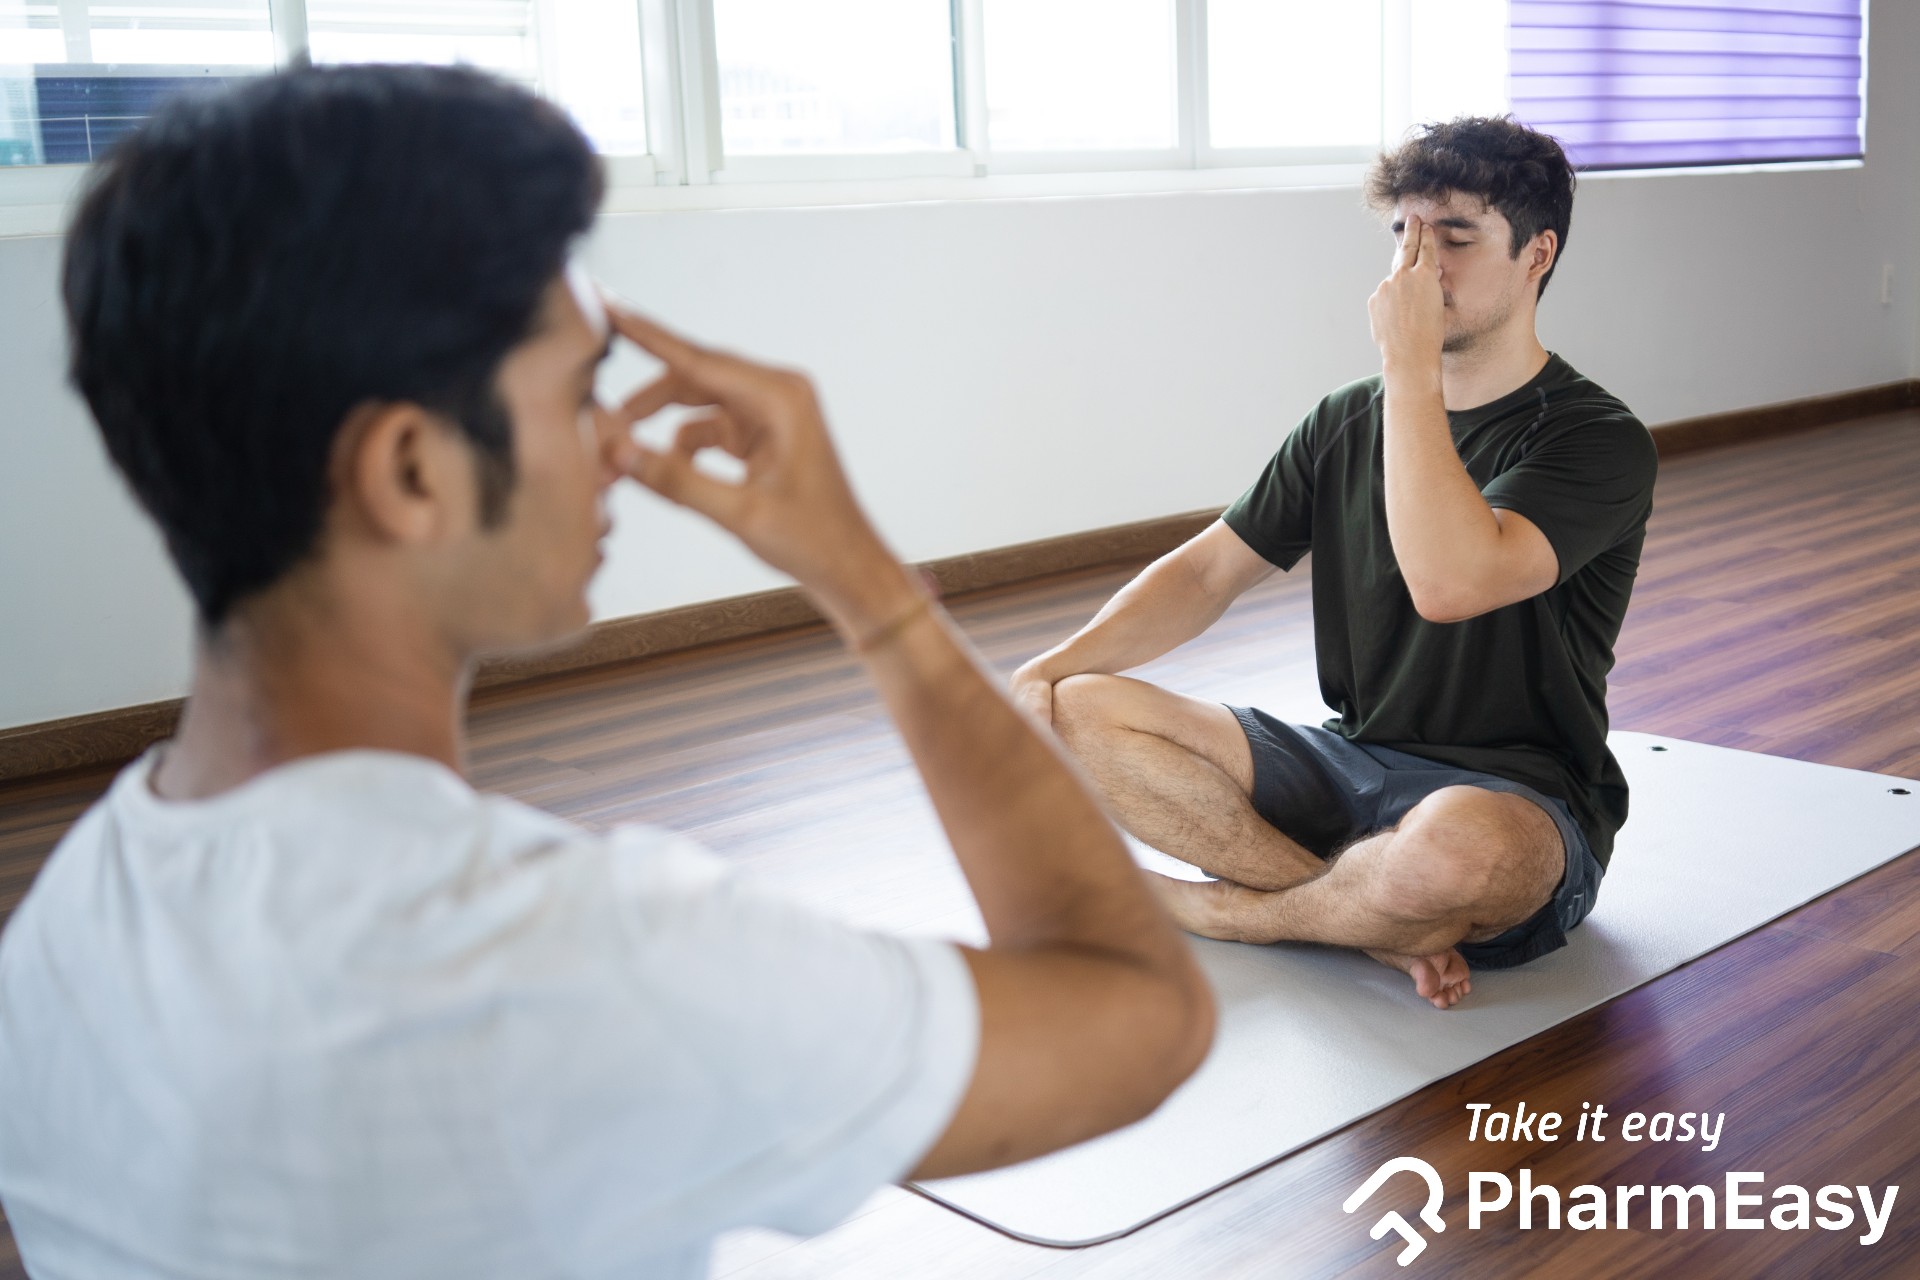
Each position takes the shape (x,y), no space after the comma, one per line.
(1087,985)
(1045,864)
(1440,526)
(1165,606)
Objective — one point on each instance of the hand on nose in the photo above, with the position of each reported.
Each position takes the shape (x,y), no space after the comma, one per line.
(619,454)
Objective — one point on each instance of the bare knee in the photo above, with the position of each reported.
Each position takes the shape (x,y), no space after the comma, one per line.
(1087,706)
(1460,854)
(1092,713)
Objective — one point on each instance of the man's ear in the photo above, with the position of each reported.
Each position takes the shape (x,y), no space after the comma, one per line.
(1544,251)
(403,473)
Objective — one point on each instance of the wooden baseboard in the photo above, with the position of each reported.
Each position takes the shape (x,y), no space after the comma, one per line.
(104,737)
(649,634)
(1762,422)
(109,737)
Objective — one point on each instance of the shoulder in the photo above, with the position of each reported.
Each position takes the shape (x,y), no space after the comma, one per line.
(1577,410)
(1335,414)
(1358,396)
(1569,394)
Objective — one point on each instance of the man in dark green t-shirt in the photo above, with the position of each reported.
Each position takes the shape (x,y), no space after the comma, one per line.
(1476,512)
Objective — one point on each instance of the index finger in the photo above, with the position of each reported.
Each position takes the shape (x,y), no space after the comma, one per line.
(697,374)
(656,340)
(668,388)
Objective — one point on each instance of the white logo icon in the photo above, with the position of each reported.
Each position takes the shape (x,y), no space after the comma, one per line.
(1430,1213)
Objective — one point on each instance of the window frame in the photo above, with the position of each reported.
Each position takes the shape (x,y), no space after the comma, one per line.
(971,74)
(974,154)
(1396,77)
(685,165)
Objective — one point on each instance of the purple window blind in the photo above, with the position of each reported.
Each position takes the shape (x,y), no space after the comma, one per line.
(1685,82)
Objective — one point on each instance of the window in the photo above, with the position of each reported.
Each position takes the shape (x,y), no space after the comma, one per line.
(835,76)
(585,54)
(76,74)
(88,32)
(1081,75)
(691,92)
(1692,81)
(1293,74)
(1462,67)
(498,35)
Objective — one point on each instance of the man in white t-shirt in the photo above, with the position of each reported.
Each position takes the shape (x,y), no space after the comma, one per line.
(293,999)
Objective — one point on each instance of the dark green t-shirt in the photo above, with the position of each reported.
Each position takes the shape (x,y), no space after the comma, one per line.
(1519,692)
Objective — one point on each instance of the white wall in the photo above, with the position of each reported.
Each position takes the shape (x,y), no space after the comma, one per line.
(999,371)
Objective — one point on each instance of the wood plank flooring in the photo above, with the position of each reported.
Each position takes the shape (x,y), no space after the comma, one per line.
(1778,610)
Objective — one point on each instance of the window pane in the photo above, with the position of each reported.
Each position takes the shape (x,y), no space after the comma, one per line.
(1293,73)
(68,90)
(495,34)
(1077,75)
(19,121)
(799,76)
(586,56)
(30,32)
(1461,65)
(594,70)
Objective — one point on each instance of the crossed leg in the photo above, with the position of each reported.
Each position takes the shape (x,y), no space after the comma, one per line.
(1463,865)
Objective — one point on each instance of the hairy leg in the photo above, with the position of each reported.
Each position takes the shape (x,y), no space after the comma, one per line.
(1464,865)
(1176,772)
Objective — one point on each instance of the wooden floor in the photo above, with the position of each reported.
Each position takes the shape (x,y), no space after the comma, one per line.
(1778,610)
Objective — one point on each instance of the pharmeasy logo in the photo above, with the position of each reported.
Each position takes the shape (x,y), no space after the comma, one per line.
(1429,1213)
(1738,1201)
(1741,1206)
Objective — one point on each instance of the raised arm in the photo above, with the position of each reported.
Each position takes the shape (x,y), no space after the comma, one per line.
(1170,602)
(1092,1010)
(1459,556)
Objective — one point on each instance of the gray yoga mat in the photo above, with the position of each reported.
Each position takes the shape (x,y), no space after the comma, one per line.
(1719,843)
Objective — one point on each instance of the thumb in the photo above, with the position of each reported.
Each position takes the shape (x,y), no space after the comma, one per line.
(672,475)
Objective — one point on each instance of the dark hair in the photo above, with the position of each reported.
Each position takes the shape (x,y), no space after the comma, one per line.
(1519,171)
(250,265)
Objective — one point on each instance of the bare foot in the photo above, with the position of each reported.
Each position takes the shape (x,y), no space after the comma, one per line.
(1232,912)
(1442,978)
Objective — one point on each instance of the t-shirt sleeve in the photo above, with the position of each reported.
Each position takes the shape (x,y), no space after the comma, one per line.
(1275,515)
(1586,484)
(717,1057)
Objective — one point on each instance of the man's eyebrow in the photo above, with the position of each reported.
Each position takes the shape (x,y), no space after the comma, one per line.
(1456,223)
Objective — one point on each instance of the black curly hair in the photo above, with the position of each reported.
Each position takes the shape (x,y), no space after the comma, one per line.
(1521,172)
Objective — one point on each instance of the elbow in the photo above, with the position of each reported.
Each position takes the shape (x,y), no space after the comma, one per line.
(1442,602)
(1201,1021)
(1190,1020)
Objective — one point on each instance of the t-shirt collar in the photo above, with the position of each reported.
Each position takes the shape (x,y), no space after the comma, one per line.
(132,792)
(1552,371)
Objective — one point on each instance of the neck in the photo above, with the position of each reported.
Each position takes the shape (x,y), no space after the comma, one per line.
(292,677)
(1496,364)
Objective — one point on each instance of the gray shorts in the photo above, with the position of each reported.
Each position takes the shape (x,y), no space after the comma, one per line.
(1324,792)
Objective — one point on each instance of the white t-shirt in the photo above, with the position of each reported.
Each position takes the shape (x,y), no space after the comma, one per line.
(354,1018)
